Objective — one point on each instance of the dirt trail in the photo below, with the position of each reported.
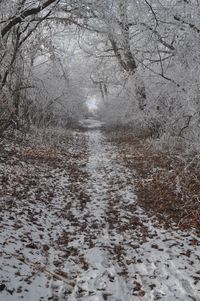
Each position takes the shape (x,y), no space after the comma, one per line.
(93,238)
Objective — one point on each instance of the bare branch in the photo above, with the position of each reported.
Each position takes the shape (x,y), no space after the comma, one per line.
(25,14)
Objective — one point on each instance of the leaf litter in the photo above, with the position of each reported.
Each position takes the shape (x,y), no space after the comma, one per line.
(72,229)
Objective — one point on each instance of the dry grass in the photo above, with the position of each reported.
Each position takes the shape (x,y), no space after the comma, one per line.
(167,185)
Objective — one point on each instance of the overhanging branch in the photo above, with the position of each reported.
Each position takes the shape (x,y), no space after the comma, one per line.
(25,14)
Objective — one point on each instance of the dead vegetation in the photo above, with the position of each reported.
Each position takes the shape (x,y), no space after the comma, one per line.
(167,185)
(71,228)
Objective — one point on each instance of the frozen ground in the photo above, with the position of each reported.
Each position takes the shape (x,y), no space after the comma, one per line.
(72,230)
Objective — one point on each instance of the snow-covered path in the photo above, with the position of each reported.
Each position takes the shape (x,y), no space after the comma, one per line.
(92,242)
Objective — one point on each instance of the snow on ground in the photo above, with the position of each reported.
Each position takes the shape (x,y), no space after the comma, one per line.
(73,230)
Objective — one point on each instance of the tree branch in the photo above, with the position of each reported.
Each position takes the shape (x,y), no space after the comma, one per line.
(24,15)
(187,23)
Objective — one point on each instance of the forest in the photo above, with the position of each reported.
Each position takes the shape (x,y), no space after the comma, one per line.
(99,150)
(140,59)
